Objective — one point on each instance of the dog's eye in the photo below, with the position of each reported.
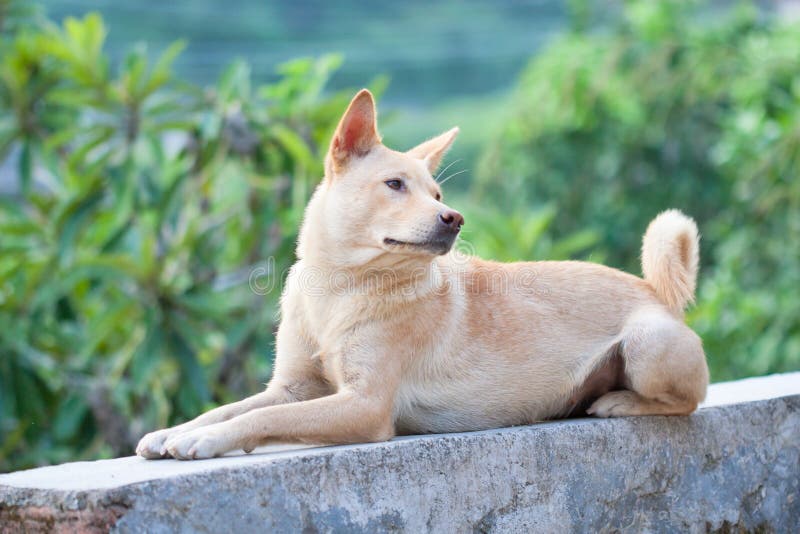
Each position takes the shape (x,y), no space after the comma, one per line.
(438,196)
(397,185)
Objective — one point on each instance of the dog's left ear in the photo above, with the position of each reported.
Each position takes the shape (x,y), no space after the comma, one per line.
(433,150)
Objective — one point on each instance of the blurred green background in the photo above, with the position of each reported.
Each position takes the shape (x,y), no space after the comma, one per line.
(143,180)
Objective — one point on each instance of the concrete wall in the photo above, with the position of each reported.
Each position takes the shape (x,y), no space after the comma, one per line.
(732,466)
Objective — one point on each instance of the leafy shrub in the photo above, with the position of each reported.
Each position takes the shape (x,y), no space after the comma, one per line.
(145,204)
(499,235)
(673,108)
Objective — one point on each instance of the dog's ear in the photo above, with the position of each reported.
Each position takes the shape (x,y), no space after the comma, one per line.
(357,132)
(433,150)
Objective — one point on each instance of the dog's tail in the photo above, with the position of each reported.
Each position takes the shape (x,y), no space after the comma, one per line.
(670,254)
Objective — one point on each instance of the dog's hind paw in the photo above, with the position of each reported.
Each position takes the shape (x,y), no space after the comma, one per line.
(615,404)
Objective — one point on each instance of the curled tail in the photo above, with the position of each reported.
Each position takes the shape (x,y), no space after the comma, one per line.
(670,254)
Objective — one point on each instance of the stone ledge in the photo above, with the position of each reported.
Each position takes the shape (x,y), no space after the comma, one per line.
(733,465)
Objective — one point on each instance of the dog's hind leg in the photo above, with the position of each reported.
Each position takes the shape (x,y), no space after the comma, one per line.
(665,368)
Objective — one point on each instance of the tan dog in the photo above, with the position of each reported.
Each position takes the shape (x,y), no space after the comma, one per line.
(384,330)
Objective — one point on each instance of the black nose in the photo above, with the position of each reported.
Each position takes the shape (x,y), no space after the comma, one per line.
(451,219)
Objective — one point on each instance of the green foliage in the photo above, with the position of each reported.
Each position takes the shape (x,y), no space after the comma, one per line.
(665,111)
(145,204)
(520,235)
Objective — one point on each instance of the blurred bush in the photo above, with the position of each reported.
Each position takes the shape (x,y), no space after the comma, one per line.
(144,205)
(673,106)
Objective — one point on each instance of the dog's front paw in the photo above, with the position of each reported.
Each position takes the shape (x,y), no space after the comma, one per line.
(152,445)
(204,442)
(614,404)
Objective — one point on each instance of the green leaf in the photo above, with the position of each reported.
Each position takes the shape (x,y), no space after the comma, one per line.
(26,167)
(161,72)
(68,418)
(72,220)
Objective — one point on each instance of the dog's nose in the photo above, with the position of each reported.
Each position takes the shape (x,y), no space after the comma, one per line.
(451,219)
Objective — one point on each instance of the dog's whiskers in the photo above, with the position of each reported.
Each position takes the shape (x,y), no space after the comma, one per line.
(445,169)
(452,175)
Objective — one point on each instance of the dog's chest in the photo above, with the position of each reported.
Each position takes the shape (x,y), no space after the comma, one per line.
(331,317)
(338,326)
(329,365)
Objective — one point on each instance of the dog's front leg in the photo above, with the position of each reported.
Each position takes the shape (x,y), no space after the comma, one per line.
(345,417)
(296,378)
(152,445)
(361,410)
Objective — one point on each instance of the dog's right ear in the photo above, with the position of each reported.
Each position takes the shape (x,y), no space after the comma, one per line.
(356,134)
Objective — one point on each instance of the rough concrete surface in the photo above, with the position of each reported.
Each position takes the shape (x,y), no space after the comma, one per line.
(733,466)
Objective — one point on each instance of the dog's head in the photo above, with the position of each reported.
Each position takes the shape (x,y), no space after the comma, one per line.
(375,200)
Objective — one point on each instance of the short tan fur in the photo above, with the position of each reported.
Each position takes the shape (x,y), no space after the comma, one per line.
(385,329)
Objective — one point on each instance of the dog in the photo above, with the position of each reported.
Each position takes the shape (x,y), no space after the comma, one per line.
(385,329)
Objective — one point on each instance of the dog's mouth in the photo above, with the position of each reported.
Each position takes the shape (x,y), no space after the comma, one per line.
(437,246)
